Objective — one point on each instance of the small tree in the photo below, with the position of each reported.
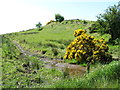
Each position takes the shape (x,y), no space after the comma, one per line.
(59,18)
(38,25)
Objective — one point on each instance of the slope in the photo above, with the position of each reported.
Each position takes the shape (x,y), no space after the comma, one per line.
(52,40)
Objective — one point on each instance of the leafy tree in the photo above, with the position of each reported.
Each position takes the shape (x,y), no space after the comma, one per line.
(109,22)
(38,25)
(59,18)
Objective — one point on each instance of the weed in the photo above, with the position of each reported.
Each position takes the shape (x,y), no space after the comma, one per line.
(55,51)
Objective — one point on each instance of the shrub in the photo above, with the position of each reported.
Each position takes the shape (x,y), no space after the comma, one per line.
(50,22)
(84,22)
(85,48)
(55,51)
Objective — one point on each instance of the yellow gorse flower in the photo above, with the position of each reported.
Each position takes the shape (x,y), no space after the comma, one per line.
(84,46)
(79,32)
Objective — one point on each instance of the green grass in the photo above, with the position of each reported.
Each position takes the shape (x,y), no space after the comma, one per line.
(20,71)
(114,50)
(55,36)
(53,39)
(0,60)
(105,76)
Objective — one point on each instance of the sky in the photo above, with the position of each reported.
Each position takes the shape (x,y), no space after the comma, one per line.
(19,15)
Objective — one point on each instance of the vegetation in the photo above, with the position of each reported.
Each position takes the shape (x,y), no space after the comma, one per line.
(39,26)
(109,23)
(34,58)
(51,21)
(105,76)
(59,18)
(22,71)
(28,71)
(42,43)
(85,48)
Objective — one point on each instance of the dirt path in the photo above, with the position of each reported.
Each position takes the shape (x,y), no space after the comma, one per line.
(55,63)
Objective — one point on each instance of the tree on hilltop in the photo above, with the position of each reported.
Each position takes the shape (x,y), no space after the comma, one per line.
(59,18)
(38,25)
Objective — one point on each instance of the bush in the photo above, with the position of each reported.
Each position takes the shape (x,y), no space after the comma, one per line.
(84,22)
(55,51)
(50,22)
(85,48)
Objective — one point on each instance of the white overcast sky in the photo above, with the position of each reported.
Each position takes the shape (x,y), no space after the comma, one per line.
(18,15)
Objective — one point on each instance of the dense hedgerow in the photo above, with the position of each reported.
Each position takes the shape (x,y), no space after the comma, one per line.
(86,48)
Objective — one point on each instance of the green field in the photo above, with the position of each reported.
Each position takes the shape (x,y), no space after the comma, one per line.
(28,59)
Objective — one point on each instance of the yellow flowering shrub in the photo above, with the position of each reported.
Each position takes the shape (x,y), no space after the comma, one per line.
(84,46)
(50,22)
(79,32)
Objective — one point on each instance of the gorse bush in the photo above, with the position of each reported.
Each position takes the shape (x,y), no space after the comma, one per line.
(50,22)
(84,48)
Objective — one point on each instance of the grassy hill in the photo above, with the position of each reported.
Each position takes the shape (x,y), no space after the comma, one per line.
(52,40)
(27,57)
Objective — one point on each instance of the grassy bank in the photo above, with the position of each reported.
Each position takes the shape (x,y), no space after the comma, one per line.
(25,71)
(52,40)
(105,76)
(21,71)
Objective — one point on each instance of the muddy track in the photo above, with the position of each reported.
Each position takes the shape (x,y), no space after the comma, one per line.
(55,63)
(43,58)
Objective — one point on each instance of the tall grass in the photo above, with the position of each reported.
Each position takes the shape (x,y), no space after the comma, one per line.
(106,76)
(20,71)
